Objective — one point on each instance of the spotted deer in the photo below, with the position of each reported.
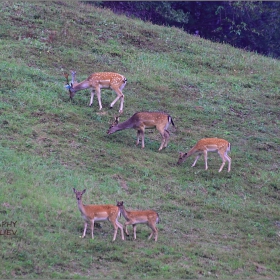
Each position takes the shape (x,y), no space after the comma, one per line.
(96,82)
(203,146)
(98,213)
(142,120)
(148,217)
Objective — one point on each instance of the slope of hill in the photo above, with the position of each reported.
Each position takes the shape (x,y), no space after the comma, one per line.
(214,225)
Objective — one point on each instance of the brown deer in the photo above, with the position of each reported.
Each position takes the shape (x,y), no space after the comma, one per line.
(149,217)
(142,120)
(203,146)
(96,82)
(98,213)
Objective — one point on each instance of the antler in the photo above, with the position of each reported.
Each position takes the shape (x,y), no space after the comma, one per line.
(115,121)
(73,74)
(68,86)
(117,118)
(66,75)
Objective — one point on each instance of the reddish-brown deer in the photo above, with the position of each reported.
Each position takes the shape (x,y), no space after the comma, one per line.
(149,217)
(203,146)
(142,120)
(98,213)
(96,82)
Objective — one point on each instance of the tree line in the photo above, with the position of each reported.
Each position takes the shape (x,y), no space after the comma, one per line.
(250,25)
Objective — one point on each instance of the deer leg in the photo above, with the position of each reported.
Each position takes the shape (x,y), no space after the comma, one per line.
(225,158)
(121,228)
(205,159)
(154,231)
(167,136)
(163,135)
(120,96)
(229,161)
(138,137)
(156,234)
(114,101)
(196,159)
(91,98)
(143,139)
(92,227)
(85,229)
(162,142)
(115,231)
(116,224)
(98,94)
(126,231)
(121,105)
(134,231)
(222,166)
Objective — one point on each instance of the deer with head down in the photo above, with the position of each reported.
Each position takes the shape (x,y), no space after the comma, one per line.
(205,145)
(142,120)
(96,82)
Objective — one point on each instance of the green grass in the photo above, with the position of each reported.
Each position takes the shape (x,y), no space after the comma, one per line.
(213,225)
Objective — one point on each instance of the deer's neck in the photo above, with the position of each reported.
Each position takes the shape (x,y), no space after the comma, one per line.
(124,125)
(80,86)
(81,207)
(124,213)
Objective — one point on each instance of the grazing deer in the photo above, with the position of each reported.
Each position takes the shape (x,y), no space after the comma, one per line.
(98,213)
(142,120)
(96,82)
(149,217)
(208,145)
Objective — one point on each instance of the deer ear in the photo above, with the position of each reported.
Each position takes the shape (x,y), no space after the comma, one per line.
(74,190)
(84,191)
(117,119)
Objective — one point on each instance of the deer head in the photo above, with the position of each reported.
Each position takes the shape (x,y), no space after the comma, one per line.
(115,121)
(68,85)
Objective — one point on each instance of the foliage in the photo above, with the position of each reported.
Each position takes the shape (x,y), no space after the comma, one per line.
(251,25)
(212,225)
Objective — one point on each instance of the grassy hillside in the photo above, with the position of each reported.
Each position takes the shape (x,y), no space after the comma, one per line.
(213,225)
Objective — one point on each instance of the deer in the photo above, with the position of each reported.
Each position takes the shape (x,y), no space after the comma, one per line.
(205,145)
(149,217)
(142,120)
(96,82)
(98,213)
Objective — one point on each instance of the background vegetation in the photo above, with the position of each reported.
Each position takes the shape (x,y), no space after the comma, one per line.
(213,225)
(250,25)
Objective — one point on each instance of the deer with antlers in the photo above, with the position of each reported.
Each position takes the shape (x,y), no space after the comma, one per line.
(142,120)
(205,145)
(98,213)
(96,82)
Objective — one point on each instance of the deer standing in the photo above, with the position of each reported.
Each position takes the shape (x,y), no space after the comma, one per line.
(142,120)
(96,82)
(98,213)
(203,146)
(149,217)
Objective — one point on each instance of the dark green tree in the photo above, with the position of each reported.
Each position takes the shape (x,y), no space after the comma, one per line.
(251,25)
